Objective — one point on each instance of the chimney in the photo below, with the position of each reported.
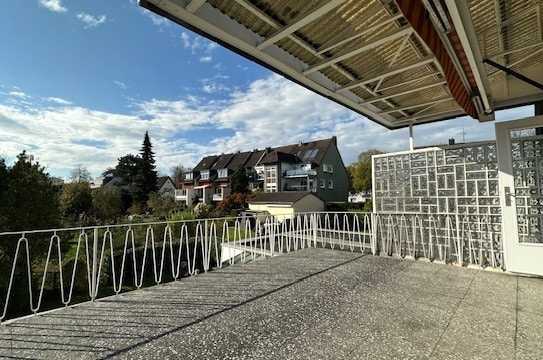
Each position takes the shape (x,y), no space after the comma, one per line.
(451,141)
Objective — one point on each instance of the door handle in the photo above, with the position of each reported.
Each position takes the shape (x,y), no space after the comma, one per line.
(508,195)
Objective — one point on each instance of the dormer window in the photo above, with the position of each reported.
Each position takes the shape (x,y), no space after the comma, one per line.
(223,173)
(204,175)
(188,176)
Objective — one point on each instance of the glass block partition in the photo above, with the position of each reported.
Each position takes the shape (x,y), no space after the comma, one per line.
(459,180)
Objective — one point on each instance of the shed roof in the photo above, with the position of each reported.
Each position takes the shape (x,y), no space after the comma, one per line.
(282,197)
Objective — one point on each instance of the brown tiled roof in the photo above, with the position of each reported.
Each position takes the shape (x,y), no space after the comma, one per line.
(223,161)
(283,197)
(255,157)
(239,160)
(206,163)
(279,156)
(312,151)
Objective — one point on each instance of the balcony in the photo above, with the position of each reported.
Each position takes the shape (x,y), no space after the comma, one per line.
(218,197)
(301,172)
(318,264)
(180,195)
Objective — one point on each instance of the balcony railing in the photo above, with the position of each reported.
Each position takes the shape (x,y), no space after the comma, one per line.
(299,173)
(181,194)
(60,267)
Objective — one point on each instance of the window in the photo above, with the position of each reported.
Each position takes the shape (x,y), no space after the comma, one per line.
(310,154)
(270,178)
(331,184)
(323,184)
(204,175)
(223,173)
(327,168)
(188,176)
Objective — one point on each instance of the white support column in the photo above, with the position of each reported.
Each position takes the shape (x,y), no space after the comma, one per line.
(411,141)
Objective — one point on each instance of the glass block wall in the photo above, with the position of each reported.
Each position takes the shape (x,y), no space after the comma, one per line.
(459,180)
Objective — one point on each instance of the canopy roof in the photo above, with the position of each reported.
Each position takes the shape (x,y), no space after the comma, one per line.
(396,62)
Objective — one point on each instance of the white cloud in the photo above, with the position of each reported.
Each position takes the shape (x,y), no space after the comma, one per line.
(206,59)
(270,112)
(198,44)
(58,100)
(53,5)
(91,21)
(18,94)
(120,84)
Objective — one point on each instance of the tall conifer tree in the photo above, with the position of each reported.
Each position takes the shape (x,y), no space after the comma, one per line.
(148,167)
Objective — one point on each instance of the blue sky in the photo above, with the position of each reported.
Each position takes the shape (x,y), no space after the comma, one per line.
(81,81)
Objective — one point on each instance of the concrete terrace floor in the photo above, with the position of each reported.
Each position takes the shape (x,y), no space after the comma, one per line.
(312,304)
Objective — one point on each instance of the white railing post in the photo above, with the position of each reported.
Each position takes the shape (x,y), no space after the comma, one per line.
(373,233)
(315,230)
(94,265)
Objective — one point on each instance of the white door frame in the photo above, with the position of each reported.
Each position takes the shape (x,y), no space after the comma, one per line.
(518,257)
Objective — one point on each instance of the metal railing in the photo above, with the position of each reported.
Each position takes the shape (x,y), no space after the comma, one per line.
(62,267)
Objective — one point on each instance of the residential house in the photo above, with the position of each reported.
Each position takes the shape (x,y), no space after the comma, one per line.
(314,166)
(166,187)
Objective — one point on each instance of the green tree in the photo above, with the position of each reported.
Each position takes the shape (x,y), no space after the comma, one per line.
(239,182)
(107,203)
(31,200)
(148,168)
(160,206)
(76,200)
(361,173)
(129,169)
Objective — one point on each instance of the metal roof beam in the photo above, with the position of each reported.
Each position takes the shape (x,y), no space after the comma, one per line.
(518,75)
(300,22)
(405,92)
(334,44)
(407,82)
(194,5)
(300,42)
(390,72)
(258,13)
(404,31)
(412,119)
(463,25)
(438,101)
(515,50)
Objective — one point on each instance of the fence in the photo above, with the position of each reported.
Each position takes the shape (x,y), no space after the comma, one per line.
(63,267)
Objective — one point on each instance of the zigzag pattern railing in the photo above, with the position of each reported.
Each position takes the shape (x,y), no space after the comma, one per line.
(117,258)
